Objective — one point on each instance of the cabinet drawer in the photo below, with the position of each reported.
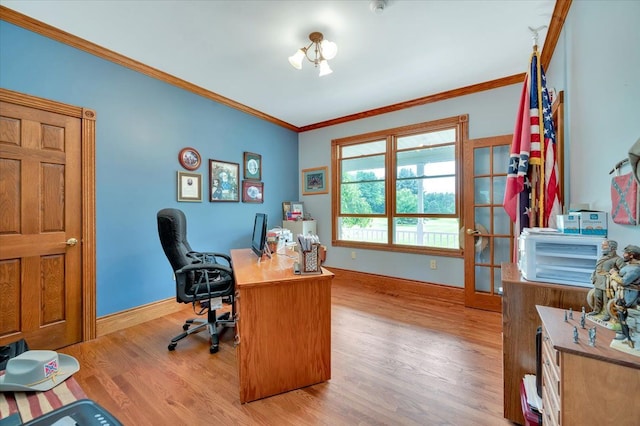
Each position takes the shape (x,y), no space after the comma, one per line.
(550,413)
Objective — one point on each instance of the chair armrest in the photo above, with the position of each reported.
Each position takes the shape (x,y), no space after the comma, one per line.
(205,256)
(204,267)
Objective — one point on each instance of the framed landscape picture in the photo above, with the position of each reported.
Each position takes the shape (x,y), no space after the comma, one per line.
(252,165)
(314,181)
(252,191)
(223,179)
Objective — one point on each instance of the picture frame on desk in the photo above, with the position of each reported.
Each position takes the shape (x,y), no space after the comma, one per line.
(314,181)
(292,210)
(189,187)
(223,179)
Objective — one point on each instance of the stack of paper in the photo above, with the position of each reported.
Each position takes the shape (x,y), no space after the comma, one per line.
(533,399)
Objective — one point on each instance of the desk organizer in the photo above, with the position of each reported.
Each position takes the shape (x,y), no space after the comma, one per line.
(310,260)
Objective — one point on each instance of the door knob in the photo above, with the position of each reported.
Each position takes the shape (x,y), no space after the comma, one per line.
(72,242)
(472,231)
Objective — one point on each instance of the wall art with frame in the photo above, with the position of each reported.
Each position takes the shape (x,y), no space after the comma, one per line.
(252,166)
(223,181)
(252,191)
(189,158)
(315,181)
(189,186)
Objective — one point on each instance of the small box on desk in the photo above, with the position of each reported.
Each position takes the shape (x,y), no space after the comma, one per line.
(569,223)
(311,261)
(593,223)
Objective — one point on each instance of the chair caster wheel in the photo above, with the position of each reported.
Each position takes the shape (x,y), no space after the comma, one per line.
(225,316)
(172,346)
(213,349)
(185,327)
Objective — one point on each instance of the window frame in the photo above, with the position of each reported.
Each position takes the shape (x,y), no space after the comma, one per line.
(459,123)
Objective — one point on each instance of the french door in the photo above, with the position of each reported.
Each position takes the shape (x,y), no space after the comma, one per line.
(487,230)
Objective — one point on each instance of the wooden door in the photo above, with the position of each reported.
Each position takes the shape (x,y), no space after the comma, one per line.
(487,230)
(42,298)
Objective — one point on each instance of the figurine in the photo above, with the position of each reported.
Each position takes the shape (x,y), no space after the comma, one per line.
(627,283)
(582,321)
(570,313)
(575,334)
(598,297)
(592,336)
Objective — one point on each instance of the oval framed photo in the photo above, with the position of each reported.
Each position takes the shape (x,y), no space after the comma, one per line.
(189,158)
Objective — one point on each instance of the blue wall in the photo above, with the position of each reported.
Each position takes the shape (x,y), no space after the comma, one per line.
(142,124)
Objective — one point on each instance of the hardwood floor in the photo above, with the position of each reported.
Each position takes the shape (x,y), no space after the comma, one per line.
(396,360)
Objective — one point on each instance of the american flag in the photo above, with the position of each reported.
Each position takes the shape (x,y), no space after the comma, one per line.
(50,368)
(533,157)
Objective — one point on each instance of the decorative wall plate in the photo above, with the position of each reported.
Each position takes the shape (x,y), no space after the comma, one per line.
(189,158)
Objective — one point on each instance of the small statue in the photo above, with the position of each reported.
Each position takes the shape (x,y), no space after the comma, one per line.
(570,313)
(565,317)
(627,283)
(582,321)
(600,277)
(592,336)
(575,334)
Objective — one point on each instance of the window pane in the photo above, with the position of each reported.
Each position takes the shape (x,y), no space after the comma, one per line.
(426,139)
(440,233)
(362,198)
(366,229)
(428,195)
(427,162)
(363,169)
(378,147)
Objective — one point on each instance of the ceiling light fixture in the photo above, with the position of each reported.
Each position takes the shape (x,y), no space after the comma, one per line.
(324,50)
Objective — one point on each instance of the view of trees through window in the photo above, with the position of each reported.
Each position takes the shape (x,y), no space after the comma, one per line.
(411,200)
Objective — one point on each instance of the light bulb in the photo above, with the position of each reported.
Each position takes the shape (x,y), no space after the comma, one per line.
(329,49)
(324,68)
(296,59)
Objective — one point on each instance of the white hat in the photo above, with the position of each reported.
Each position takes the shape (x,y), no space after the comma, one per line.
(37,371)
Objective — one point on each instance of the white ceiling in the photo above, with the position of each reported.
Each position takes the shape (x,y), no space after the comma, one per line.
(239,49)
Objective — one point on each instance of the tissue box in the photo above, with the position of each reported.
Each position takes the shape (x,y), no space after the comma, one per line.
(569,223)
(593,223)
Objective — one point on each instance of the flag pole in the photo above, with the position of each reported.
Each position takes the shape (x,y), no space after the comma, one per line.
(538,83)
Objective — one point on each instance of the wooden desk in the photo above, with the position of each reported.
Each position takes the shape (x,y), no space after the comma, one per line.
(582,384)
(519,325)
(283,325)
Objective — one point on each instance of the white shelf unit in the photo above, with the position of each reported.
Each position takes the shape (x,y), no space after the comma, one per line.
(304,227)
(559,258)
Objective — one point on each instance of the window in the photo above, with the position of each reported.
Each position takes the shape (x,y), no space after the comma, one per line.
(399,189)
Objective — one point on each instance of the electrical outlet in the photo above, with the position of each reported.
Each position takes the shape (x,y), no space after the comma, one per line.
(433,264)
(353,254)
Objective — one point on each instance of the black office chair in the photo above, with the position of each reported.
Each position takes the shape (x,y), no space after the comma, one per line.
(200,277)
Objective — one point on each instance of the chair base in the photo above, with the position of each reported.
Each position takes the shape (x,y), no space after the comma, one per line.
(212,323)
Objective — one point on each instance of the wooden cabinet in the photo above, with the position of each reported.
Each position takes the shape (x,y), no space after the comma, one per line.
(283,325)
(583,384)
(519,325)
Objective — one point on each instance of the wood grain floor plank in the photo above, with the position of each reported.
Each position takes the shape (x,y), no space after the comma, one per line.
(398,359)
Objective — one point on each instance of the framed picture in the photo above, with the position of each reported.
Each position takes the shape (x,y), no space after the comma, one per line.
(314,181)
(252,191)
(292,210)
(189,186)
(189,158)
(223,179)
(252,164)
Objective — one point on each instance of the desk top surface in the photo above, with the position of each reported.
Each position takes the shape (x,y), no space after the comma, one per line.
(251,272)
